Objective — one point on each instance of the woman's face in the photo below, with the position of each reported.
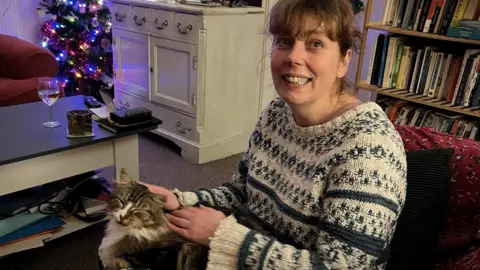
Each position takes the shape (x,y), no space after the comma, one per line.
(305,71)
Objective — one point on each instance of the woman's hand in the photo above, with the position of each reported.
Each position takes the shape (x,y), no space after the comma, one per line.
(171,201)
(195,224)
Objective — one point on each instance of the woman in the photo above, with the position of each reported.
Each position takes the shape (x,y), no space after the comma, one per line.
(325,173)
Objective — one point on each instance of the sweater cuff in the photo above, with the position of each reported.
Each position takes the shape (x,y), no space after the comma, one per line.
(186,198)
(225,245)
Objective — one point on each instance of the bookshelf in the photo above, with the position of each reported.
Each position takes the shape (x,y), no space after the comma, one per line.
(420,61)
(396,30)
(423,100)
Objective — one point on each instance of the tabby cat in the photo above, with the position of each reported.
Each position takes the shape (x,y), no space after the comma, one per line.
(136,223)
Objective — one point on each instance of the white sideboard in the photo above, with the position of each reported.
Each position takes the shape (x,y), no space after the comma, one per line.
(199,69)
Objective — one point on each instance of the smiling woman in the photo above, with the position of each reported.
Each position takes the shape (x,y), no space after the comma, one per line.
(312,49)
(324,173)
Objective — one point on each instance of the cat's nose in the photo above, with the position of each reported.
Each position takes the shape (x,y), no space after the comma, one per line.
(123,220)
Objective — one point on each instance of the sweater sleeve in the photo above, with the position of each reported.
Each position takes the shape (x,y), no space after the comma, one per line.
(230,195)
(361,204)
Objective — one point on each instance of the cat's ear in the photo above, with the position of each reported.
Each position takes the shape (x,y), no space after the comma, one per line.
(124,178)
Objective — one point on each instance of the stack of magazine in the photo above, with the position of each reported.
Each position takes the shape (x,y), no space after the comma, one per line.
(465,29)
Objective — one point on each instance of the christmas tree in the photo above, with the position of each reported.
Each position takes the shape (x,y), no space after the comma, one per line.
(79,35)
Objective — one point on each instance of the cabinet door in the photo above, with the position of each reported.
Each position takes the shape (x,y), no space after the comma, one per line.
(131,62)
(174,76)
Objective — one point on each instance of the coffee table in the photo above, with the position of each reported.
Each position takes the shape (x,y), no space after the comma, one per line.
(32,155)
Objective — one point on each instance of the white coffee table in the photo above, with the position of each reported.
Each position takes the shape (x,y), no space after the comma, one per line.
(32,155)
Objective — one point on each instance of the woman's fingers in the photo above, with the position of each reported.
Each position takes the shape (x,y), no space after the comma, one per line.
(178,221)
(180,231)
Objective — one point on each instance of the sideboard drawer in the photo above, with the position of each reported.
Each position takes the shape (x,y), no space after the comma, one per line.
(162,23)
(140,19)
(186,27)
(120,15)
(178,124)
(173,122)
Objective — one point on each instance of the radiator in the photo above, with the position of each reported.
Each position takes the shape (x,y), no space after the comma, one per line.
(9,18)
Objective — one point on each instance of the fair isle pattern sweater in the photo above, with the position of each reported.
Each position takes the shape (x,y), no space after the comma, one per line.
(331,194)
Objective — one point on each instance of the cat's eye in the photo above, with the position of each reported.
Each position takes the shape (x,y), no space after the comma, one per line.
(116,203)
(144,215)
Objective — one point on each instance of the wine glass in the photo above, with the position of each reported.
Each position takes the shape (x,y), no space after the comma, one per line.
(49,91)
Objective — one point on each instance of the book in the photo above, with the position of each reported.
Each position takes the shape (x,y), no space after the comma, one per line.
(92,206)
(115,128)
(464,32)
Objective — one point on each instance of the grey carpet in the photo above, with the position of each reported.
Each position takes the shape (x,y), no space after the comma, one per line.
(160,163)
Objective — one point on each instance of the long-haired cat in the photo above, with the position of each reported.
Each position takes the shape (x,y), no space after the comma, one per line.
(136,223)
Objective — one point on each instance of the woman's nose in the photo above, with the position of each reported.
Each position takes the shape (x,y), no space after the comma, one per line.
(297,53)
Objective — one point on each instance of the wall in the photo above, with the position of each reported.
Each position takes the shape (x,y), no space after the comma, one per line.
(19,18)
(30,21)
(9,23)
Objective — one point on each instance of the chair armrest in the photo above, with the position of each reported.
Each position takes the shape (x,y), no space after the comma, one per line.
(22,60)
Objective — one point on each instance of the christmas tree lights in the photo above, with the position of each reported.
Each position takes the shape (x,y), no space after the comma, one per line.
(79,35)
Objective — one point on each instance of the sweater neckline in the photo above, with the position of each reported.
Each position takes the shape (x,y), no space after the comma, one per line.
(332,124)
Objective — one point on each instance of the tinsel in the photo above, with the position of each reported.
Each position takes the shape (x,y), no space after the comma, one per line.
(79,35)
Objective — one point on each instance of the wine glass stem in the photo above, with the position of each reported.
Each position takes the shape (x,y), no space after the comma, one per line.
(51,113)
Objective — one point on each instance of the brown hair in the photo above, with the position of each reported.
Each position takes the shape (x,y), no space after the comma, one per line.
(288,17)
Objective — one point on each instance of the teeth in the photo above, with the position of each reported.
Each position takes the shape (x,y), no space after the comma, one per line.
(296,80)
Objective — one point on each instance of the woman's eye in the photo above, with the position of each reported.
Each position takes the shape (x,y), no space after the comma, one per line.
(317,44)
(282,41)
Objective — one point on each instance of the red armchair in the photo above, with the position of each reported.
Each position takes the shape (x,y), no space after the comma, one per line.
(459,240)
(21,64)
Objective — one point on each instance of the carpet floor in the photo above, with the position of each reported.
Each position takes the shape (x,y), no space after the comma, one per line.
(160,163)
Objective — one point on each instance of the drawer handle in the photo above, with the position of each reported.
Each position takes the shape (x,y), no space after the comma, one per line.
(165,23)
(183,129)
(142,21)
(120,17)
(187,29)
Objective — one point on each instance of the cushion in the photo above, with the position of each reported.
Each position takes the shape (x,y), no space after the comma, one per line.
(428,181)
(13,92)
(467,260)
(463,208)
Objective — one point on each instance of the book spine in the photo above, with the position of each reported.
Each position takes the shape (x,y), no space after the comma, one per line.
(396,68)
(416,71)
(436,15)
(459,11)
(382,62)
(436,71)
(464,32)
(386,12)
(407,18)
(378,58)
(372,60)
(424,71)
(463,81)
(424,14)
(428,20)
(410,69)
(449,11)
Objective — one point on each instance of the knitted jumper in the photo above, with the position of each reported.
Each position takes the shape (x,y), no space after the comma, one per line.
(331,194)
